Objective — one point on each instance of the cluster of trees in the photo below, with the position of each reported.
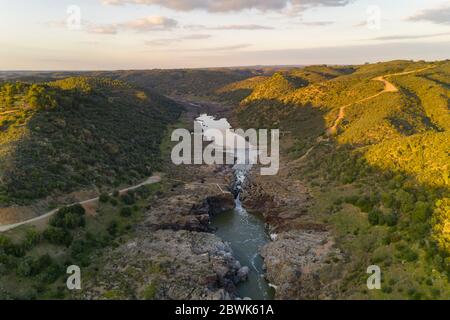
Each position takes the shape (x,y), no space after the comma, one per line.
(66,230)
(424,156)
(43,269)
(182,82)
(9,92)
(88,138)
(23,95)
(41,97)
(441,224)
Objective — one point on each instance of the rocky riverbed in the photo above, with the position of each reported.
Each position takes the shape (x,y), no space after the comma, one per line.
(173,253)
(300,246)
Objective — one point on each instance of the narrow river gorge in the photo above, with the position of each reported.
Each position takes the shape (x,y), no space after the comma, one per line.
(245,232)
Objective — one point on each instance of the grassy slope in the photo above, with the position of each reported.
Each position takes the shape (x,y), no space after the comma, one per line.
(381,183)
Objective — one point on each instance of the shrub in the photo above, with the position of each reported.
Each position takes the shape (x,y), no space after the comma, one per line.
(104,197)
(143,192)
(126,212)
(364,204)
(391,219)
(25,267)
(10,248)
(150,291)
(69,217)
(128,198)
(32,238)
(113,228)
(375,217)
(421,212)
(58,236)
(440,222)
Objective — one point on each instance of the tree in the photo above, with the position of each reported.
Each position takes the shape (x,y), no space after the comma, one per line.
(441,224)
(126,212)
(104,197)
(58,236)
(69,217)
(421,212)
(374,217)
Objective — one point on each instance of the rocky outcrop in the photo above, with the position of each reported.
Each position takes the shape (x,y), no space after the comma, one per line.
(284,203)
(167,264)
(293,262)
(188,210)
(300,246)
(172,253)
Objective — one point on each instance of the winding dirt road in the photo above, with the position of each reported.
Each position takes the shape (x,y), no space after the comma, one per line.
(153,179)
(388,87)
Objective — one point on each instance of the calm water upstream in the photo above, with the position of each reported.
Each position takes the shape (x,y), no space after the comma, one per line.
(245,232)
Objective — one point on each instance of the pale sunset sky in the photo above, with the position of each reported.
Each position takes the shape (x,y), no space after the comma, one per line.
(145,34)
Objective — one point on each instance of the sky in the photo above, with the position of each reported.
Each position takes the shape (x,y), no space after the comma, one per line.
(147,34)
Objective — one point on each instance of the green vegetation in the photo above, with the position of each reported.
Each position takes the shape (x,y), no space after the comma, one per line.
(183,82)
(66,135)
(34,259)
(382,181)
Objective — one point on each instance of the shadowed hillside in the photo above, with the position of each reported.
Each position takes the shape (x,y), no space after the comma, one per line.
(62,136)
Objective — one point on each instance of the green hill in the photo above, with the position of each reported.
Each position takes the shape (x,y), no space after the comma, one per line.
(62,136)
(183,82)
(381,179)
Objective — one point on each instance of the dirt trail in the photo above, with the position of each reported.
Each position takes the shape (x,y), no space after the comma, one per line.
(153,179)
(8,112)
(388,87)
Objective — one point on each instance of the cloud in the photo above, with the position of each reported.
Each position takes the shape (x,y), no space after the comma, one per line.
(242,27)
(151,23)
(437,15)
(225,48)
(228,27)
(316,23)
(169,41)
(358,54)
(232,5)
(410,37)
(195,37)
(106,29)
(361,24)
(146,24)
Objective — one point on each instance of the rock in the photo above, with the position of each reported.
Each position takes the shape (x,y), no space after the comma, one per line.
(243,273)
(178,264)
(293,262)
(220,203)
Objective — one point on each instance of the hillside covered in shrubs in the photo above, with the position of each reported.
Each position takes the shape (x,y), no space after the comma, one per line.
(62,136)
(381,179)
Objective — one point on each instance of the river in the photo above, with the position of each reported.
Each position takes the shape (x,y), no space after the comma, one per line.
(245,232)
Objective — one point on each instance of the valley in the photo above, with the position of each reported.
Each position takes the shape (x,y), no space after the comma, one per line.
(364,180)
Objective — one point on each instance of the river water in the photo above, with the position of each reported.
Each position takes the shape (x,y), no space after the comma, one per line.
(245,232)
